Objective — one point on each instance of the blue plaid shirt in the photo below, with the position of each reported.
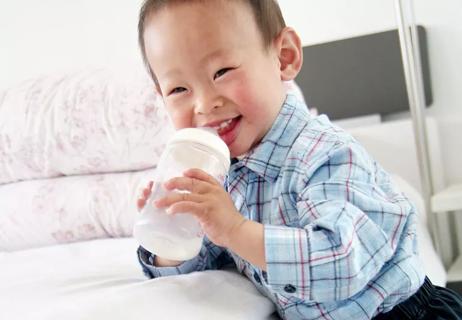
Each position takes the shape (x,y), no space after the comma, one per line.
(340,239)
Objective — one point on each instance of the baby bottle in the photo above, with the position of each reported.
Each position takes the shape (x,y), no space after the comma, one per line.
(179,236)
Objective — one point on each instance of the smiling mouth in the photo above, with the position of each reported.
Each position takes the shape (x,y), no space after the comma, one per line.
(227,126)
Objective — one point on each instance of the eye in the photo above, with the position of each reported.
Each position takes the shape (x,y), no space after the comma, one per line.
(221,72)
(177,90)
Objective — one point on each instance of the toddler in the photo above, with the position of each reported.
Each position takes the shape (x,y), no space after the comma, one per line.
(305,213)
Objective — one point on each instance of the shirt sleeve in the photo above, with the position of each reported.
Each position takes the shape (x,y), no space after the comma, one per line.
(350,221)
(211,256)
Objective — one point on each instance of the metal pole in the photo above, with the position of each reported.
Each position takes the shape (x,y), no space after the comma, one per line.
(410,53)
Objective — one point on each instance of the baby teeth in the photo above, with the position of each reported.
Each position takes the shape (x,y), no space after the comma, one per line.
(224,124)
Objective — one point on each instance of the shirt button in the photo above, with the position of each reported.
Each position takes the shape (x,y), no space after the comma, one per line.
(289,288)
(257,277)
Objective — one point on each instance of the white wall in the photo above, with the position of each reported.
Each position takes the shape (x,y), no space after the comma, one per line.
(40,37)
(319,21)
(43,36)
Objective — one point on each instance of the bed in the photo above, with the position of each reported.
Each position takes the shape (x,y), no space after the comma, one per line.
(75,149)
(101,279)
(69,175)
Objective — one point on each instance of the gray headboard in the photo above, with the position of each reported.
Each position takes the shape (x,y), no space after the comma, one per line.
(359,76)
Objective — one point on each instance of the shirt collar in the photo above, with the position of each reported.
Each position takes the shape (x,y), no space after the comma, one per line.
(267,158)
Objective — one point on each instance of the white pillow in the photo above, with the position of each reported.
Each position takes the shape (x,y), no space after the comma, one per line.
(85,122)
(69,209)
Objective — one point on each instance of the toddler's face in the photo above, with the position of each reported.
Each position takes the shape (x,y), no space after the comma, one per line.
(213,70)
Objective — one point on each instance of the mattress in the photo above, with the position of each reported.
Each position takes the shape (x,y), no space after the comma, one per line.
(101,279)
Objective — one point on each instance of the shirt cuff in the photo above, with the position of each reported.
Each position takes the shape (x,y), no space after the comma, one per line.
(146,260)
(287,260)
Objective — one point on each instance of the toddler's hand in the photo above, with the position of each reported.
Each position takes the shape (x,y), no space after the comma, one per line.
(145,193)
(207,201)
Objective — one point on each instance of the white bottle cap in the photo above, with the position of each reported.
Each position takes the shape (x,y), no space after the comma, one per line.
(207,137)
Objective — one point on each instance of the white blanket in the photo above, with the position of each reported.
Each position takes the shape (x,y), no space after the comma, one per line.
(102,280)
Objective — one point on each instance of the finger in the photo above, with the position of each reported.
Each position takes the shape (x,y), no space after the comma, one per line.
(187,207)
(140,203)
(150,184)
(189,184)
(146,193)
(200,175)
(175,197)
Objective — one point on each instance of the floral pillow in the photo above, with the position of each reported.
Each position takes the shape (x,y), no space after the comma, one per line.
(68,209)
(91,121)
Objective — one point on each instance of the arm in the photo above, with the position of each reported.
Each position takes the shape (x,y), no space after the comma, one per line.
(161,262)
(350,222)
(247,241)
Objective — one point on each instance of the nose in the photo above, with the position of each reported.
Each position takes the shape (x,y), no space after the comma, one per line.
(207,100)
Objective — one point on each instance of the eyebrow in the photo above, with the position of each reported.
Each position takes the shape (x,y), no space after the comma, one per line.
(214,55)
(172,73)
(210,56)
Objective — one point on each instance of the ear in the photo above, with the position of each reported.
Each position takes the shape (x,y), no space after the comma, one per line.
(290,53)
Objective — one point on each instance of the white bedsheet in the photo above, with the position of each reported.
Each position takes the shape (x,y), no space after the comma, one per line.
(101,279)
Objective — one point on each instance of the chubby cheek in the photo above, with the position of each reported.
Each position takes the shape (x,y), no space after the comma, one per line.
(253,122)
(246,100)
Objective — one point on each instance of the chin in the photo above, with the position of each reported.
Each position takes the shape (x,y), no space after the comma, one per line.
(237,151)
(236,154)
(245,142)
